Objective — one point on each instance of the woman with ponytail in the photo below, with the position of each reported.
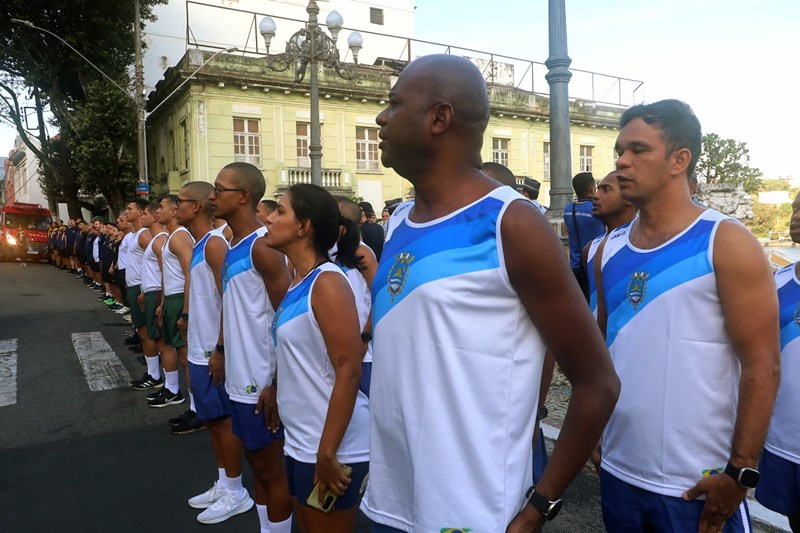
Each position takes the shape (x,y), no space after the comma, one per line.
(316,332)
(359,264)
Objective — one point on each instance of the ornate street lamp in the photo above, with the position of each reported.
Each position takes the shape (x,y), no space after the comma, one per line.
(306,48)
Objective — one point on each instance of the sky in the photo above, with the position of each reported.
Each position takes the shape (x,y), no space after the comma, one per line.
(729,59)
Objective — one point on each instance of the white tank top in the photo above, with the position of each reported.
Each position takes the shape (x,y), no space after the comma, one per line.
(783,438)
(124,251)
(151,273)
(247,317)
(304,365)
(173,273)
(673,423)
(455,383)
(133,272)
(205,305)
(362,293)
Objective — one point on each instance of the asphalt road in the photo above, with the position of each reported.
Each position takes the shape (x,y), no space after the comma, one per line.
(77,460)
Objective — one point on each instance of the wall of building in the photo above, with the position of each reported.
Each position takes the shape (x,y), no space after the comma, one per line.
(22,176)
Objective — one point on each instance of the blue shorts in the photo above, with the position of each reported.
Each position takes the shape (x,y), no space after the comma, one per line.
(366,378)
(779,488)
(539,457)
(210,402)
(301,483)
(629,509)
(380,528)
(251,428)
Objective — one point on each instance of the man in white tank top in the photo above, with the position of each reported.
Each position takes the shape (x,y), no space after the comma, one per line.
(691,319)
(255,280)
(471,285)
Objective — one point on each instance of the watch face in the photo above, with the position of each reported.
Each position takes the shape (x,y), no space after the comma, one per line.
(555,508)
(749,477)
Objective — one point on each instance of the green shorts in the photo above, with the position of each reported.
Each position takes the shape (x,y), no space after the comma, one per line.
(172,311)
(151,300)
(137,316)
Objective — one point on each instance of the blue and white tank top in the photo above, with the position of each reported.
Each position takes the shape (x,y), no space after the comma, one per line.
(783,438)
(455,382)
(173,273)
(306,379)
(205,304)
(133,272)
(247,317)
(673,423)
(151,272)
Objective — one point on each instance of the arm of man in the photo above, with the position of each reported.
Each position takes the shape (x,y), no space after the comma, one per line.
(271,264)
(215,257)
(144,239)
(335,309)
(538,270)
(181,245)
(370,264)
(158,249)
(750,306)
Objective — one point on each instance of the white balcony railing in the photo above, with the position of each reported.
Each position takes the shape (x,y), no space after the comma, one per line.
(330,177)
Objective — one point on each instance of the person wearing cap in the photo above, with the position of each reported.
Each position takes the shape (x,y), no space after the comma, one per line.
(530,190)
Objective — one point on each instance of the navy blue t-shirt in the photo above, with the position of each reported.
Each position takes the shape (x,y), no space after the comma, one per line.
(589,228)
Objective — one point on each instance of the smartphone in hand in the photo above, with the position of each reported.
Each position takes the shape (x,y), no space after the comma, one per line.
(329,499)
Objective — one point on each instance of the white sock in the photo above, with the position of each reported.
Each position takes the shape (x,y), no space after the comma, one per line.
(172,381)
(281,527)
(152,366)
(262,518)
(191,402)
(232,484)
(221,480)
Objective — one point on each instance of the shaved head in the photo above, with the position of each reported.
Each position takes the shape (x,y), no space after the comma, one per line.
(500,173)
(248,177)
(350,210)
(200,191)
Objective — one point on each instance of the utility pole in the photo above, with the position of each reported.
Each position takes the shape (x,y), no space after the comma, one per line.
(140,109)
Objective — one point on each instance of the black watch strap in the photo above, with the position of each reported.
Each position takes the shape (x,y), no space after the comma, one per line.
(366,336)
(745,477)
(220,348)
(543,504)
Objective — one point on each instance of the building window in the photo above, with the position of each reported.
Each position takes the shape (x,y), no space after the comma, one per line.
(303,141)
(500,151)
(247,141)
(185,150)
(586,158)
(546,157)
(376,16)
(367,149)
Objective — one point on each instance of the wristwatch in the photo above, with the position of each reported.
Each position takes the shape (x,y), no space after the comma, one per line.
(548,508)
(745,477)
(185,316)
(542,412)
(220,348)
(366,336)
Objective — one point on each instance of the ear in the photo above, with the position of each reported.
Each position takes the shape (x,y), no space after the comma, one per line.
(305,226)
(442,118)
(680,160)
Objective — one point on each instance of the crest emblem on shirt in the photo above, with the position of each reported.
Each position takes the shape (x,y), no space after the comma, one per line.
(398,274)
(797,315)
(637,288)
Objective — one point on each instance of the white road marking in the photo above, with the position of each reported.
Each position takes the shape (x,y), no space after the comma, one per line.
(8,372)
(102,367)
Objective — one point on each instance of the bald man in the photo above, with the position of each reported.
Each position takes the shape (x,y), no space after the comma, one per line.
(471,287)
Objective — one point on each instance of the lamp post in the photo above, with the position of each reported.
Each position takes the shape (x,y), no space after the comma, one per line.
(306,48)
(137,99)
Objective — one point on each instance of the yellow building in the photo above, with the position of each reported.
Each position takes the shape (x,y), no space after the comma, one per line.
(234,109)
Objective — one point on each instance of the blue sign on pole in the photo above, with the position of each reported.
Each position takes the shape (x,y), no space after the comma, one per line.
(142,189)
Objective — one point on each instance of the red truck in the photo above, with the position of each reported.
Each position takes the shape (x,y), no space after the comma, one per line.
(23,231)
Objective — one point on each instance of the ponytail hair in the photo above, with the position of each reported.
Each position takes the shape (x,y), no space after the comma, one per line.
(347,245)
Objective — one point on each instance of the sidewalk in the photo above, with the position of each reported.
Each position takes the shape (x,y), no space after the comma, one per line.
(764,520)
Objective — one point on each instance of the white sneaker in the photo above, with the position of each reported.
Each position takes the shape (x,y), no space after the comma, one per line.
(123,310)
(202,501)
(230,504)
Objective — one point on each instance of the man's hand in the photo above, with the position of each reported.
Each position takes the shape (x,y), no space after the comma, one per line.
(268,404)
(529,520)
(216,368)
(597,457)
(183,325)
(140,301)
(723,496)
(159,310)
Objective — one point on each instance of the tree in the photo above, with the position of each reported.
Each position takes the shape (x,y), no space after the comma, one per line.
(103,32)
(727,161)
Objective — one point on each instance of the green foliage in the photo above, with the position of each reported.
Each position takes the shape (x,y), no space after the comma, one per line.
(727,161)
(779,184)
(769,218)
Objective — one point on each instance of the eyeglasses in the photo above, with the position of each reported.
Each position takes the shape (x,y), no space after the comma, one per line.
(179,200)
(223,189)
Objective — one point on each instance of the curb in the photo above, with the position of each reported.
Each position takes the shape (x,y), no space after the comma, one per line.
(763,519)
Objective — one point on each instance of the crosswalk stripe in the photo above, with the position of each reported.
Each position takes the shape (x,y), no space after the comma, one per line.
(102,367)
(8,372)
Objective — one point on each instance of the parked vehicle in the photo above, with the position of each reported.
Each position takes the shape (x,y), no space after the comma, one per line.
(23,231)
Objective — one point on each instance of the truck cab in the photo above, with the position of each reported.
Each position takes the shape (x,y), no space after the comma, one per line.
(23,231)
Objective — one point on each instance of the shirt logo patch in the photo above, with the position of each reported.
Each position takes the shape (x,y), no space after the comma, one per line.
(713,471)
(398,275)
(797,315)
(251,389)
(637,288)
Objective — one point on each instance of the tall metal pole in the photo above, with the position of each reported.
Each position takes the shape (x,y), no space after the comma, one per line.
(315,147)
(140,109)
(558,76)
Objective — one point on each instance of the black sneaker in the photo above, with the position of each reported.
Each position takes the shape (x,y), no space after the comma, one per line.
(189,426)
(148,382)
(136,349)
(181,419)
(115,307)
(166,398)
(153,394)
(133,341)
